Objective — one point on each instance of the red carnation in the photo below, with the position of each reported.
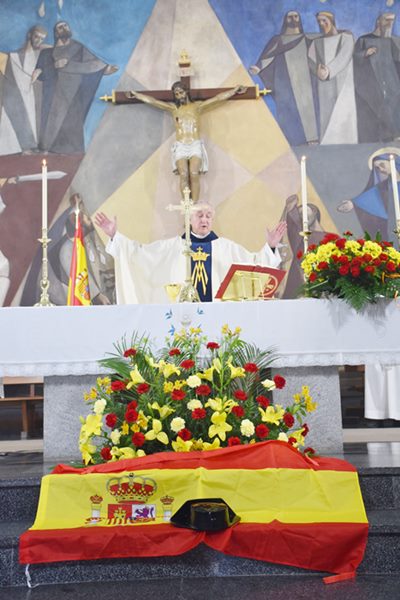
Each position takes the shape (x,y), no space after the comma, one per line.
(344,269)
(131,415)
(361,241)
(132,405)
(348,233)
(117,386)
(370,269)
(262,431)
(174,352)
(240,395)
(309,450)
(279,381)
(142,388)
(343,259)
(391,267)
(203,390)
(178,394)
(130,352)
(299,254)
(313,277)
(329,237)
(340,243)
(384,256)
(312,247)
(187,364)
(367,258)
(106,453)
(238,411)
(212,346)
(377,262)
(305,430)
(234,441)
(288,419)
(355,271)
(199,413)
(111,420)
(138,439)
(292,440)
(263,401)
(250,367)
(323,265)
(185,434)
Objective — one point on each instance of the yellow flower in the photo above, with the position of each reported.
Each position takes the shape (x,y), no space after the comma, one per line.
(236,371)
(179,384)
(168,386)
(180,445)
(208,374)
(99,406)
(103,381)
(214,446)
(299,437)
(90,395)
(164,411)
(296,398)
(177,424)
(115,436)
(217,365)
(282,437)
(195,330)
(124,428)
(247,428)
(127,452)
(226,330)
(136,378)
(193,381)
(221,405)
(269,384)
(219,426)
(169,369)
(156,433)
(142,420)
(272,414)
(92,426)
(193,404)
(87,450)
(310,405)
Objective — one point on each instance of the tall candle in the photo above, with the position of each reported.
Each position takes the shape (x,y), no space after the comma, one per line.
(395,189)
(44,194)
(304,192)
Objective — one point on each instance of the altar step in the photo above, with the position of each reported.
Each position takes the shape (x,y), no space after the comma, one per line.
(18,502)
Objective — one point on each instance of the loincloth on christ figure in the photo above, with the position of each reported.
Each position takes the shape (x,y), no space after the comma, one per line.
(181,150)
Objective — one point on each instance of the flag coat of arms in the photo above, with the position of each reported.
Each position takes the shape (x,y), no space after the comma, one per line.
(78,285)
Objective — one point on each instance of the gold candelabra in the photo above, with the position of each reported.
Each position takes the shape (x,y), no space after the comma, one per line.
(44,282)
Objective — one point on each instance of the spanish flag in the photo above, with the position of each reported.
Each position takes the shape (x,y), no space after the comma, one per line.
(293,510)
(78,285)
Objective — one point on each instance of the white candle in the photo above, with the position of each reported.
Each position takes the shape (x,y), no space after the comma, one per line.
(395,189)
(304,192)
(44,194)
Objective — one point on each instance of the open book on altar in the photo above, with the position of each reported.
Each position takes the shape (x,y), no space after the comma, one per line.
(250,282)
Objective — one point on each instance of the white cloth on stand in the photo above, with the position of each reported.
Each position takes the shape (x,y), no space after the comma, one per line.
(382,392)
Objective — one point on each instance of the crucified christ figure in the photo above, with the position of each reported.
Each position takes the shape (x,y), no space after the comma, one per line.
(189,157)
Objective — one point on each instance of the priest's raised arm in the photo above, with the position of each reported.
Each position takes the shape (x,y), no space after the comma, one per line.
(143,270)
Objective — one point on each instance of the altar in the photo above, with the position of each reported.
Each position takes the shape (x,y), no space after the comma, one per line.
(310,338)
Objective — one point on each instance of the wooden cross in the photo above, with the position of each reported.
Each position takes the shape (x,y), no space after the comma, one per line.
(122,97)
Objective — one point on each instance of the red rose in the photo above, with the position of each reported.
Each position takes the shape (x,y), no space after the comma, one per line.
(187,364)
(238,411)
(111,420)
(185,434)
(131,415)
(292,440)
(313,277)
(391,267)
(142,388)
(329,237)
(212,345)
(377,262)
(299,254)
(262,431)
(370,269)
(130,352)
(174,352)
(367,258)
(355,271)
(340,243)
(361,242)
(234,441)
(250,367)
(203,390)
(263,401)
(240,395)
(344,270)
(322,265)
(312,247)
(132,405)
(106,453)
(384,256)
(288,419)
(199,413)
(138,439)
(335,258)
(305,429)
(117,386)
(343,259)
(178,394)
(356,261)
(279,381)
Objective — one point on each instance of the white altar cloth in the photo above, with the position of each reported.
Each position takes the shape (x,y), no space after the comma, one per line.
(65,340)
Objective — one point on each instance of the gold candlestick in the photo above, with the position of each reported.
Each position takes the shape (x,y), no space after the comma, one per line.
(44,240)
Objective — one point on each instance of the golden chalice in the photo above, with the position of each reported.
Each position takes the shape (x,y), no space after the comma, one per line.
(173,290)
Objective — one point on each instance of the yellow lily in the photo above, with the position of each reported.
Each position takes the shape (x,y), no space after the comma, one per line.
(124,428)
(87,450)
(156,433)
(298,436)
(236,371)
(164,411)
(168,387)
(214,446)
(126,452)
(219,426)
(92,426)
(272,414)
(103,381)
(180,445)
(217,365)
(136,378)
(169,370)
(220,405)
(208,374)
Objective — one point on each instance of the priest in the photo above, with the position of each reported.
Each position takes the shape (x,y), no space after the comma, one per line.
(143,270)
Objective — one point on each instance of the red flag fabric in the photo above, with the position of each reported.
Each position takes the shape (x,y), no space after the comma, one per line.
(78,285)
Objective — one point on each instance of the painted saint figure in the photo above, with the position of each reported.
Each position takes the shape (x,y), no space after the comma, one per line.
(70,74)
(377,82)
(283,68)
(331,63)
(189,156)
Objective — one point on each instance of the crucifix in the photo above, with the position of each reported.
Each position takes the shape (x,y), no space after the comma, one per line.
(185,106)
(188,292)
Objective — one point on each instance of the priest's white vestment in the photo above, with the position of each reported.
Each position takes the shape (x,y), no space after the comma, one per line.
(142,270)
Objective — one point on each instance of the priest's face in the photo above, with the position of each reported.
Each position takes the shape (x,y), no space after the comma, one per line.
(201,221)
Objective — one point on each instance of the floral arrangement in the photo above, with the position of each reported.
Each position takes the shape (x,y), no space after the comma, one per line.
(359,271)
(194,394)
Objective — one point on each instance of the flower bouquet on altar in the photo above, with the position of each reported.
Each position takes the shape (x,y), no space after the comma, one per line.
(193,394)
(358,271)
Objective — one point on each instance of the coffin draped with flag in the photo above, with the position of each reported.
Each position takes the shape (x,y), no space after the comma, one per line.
(294,510)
